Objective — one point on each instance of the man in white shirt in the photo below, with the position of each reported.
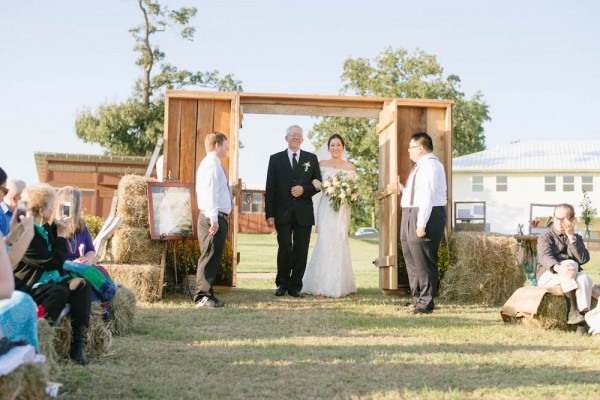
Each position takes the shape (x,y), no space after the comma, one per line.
(423,220)
(214,203)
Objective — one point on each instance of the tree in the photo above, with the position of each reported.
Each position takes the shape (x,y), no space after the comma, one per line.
(133,127)
(396,73)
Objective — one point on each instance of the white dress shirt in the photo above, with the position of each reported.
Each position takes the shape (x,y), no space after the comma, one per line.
(291,156)
(430,188)
(212,189)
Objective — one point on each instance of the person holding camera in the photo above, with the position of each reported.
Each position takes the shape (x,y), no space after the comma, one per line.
(10,202)
(79,239)
(41,274)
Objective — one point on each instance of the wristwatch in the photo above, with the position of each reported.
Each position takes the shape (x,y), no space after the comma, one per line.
(573,239)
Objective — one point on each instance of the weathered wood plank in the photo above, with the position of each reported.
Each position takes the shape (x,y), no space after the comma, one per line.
(172,138)
(188,140)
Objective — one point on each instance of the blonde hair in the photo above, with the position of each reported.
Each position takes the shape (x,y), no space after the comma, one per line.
(39,196)
(73,195)
(212,139)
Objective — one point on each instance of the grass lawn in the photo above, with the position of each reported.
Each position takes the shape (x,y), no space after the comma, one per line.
(363,346)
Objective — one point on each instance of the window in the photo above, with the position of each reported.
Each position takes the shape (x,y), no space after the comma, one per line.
(587,183)
(252,203)
(257,203)
(246,202)
(550,183)
(568,183)
(501,184)
(477,184)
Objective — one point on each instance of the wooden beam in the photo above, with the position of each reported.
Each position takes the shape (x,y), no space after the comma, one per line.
(311,110)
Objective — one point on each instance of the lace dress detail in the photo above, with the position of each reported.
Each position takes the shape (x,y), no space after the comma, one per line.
(329,272)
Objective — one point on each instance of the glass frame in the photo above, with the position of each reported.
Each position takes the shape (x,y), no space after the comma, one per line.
(179,196)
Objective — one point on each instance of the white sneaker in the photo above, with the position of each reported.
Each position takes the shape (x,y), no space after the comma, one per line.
(209,302)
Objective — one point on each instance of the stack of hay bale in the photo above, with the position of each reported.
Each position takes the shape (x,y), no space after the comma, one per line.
(136,257)
(483,269)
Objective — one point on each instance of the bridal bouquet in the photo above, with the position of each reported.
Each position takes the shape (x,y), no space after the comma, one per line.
(341,188)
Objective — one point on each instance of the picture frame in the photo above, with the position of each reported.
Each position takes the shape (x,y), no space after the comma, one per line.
(172,211)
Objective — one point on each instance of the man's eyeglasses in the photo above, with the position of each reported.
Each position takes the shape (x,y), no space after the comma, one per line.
(413,147)
(4,189)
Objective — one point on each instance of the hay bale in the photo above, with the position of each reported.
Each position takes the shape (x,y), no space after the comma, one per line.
(146,281)
(133,245)
(99,337)
(121,309)
(62,338)
(46,337)
(484,269)
(551,314)
(26,382)
(132,200)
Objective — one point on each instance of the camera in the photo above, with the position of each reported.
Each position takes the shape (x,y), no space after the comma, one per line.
(21,209)
(65,209)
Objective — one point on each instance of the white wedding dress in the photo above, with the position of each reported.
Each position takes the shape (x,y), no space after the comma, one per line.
(329,272)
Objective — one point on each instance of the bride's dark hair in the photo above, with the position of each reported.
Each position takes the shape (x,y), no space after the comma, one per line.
(336,136)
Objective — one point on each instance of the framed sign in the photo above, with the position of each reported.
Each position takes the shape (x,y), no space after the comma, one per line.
(171,210)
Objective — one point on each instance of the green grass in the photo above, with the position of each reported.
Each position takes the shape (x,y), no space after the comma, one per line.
(364,346)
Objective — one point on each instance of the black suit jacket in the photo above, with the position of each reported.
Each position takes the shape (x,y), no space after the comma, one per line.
(279,202)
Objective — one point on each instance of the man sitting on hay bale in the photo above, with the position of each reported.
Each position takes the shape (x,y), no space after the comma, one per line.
(561,252)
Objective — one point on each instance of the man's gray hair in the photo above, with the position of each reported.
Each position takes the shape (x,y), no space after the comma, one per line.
(15,185)
(289,130)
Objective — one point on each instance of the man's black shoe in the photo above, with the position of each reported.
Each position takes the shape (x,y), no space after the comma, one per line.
(295,293)
(421,311)
(280,291)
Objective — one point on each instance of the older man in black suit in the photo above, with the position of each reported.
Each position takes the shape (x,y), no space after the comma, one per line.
(289,208)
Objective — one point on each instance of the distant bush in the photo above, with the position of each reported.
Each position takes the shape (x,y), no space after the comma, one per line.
(93,223)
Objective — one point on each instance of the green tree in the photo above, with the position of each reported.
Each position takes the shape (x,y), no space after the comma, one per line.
(398,73)
(132,127)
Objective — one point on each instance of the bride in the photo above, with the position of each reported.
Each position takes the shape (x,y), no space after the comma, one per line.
(329,272)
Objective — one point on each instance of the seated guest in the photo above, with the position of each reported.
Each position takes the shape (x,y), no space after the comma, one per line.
(561,253)
(18,312)
(18,232)
(40,272)
(78,233)
(81,247)
(9,205)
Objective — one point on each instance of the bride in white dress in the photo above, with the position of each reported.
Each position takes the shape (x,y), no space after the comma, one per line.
(329,272)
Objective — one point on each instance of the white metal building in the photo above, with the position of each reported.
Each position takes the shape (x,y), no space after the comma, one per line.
(511,177)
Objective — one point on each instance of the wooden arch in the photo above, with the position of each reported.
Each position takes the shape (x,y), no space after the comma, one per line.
(191,115)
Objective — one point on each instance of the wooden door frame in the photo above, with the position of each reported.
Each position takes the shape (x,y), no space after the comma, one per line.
(306,105)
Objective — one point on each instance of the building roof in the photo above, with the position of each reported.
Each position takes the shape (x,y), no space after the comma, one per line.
(534,155)
(41,160)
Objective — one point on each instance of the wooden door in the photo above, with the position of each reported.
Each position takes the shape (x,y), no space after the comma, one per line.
(387,196)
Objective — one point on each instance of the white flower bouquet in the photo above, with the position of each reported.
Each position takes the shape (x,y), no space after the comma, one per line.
(341,188)
(588,213)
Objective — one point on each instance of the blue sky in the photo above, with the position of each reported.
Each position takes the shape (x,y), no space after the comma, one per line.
(536,62)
